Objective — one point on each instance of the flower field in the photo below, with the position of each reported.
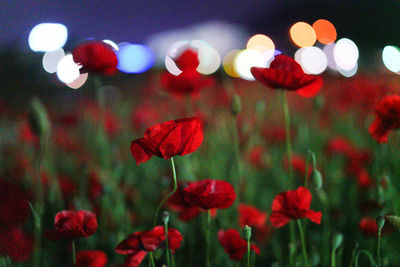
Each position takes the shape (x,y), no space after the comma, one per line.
(292,169)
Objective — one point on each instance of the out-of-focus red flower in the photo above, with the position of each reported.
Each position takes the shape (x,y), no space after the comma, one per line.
(364,180)
(68,187)
(91,258)
(285,73)
(275,134)
(15,244)
(73,224)
(255,157)
(70,119)
(187,60)
(368,226)
(111,124)
(292,205)
(168,139)
(65,141)
(189,82)
(138,244)
(26,135)
(234,245)
(339,146)
(299,165)
(186,210)
(14,207)
(96,57)
(95,188)
(209,194)
(387,118)
(145,115)
(251,216)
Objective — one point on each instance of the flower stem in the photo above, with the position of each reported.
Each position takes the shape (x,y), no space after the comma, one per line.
(169,194)
(39,152)
(333,258)
(288,137)
(73,253)
(166,244)
(208,230)
(378,252)
(303,242)
(236,144)
(248,253)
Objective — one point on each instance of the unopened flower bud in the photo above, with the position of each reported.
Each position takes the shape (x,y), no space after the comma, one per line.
(165,217)
(236,104)
(247,232)
(337,240)
(316,178)
(394,221)
(380,222)
(38,119)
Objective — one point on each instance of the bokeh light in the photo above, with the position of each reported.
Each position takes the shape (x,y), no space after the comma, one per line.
(345,54)
(210,60)
(67,69)
(303,34)
(328,50)
(245,60)
(112,44)
(228,61)
(51,59)
(79,82)
(171,66)
(391,58)
(134,58)
(312,59)
(46,37)
(263,44)
(349,73)
(325,31)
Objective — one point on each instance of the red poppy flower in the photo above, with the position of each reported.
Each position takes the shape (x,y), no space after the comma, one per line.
(138,244)
(251,216)
(14,207)
(293,204)
(168,139)
(96,57)
(73,224)
(177,202)
(187,60)
(299,165)
(285,73)
(387,117)
(209,194)
(364,180)
(189,82)
(95,188)
(255,157)
(234,245)
(91,258)
(340,146)
(15,244)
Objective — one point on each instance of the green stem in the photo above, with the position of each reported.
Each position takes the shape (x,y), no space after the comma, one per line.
(169,194)
(73,253)
(306,172)
(166,244)
(237,183)
(208,230)
(287,130)
(39,153)
(248,253)
(378,252)
(303,242)
(333,258)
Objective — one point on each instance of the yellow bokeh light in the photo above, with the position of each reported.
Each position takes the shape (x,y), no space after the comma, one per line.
(325,31)
(303,34)
(228,63)
(261,43)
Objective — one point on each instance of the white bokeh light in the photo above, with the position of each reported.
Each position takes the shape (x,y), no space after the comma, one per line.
(46,37)
(171,66)
(391,58)
(210,60)
(245,60)
(67,69)
(51,59)
(345,54)
(112,44)
(312,59)
(349,73)
(328,50)
(79,82)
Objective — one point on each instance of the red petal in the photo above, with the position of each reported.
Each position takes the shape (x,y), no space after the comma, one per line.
(314,216)
(135,260)
(140,151)
(279,219)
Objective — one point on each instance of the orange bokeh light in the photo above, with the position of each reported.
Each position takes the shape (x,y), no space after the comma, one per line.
(260,42)
(303,34)
(325,31)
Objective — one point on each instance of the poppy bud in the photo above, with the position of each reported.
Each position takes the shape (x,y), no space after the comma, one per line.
(236,104)
(380,222)
(316,178)
(337,240)
(247,232)
(38,119)
(165,217)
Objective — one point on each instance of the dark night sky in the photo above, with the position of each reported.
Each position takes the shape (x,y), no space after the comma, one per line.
(371,24)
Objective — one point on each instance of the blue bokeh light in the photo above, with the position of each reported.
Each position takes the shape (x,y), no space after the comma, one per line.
(134,58)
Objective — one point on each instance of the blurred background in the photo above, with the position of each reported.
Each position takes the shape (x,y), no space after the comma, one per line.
(151,31)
